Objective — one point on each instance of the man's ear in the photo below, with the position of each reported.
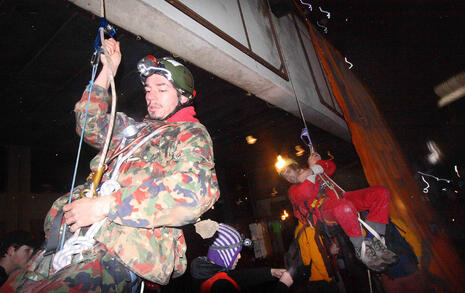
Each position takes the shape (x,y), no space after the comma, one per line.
(184,99)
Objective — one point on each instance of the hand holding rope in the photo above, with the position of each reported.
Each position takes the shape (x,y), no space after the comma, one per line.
(101,167)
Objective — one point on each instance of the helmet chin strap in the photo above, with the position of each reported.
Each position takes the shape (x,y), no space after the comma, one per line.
(178,107)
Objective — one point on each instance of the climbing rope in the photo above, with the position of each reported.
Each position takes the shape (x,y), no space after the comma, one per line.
(91,85)
(73,246)
(304,136)
(324,177)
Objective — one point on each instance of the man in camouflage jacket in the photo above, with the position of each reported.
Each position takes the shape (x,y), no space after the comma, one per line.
(167,182)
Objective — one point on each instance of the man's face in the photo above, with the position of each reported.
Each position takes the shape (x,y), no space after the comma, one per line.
(161,97)
(21,255)
(236,261)
(291,175)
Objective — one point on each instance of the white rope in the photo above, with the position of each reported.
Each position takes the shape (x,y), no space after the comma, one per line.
(369,281)
(75,246)
(371,230)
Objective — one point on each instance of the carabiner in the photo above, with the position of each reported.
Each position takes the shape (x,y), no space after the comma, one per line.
(94,60)
(305,137)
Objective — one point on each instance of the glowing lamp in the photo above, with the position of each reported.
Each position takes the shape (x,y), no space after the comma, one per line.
(280,163)
(284,216)
(283,163)
(250,139)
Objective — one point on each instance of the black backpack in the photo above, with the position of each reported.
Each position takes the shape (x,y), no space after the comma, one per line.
(408,261)
(293,260)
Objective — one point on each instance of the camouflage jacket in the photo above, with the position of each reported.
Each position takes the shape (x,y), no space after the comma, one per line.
(168,182)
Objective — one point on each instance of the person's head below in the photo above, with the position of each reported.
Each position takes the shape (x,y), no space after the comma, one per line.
(288,169)
(15,250)
(226,248)
(169,86)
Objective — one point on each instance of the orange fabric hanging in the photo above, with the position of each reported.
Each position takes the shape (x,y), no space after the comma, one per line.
(310,253)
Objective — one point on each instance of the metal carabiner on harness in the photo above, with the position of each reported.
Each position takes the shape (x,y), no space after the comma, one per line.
(95,59)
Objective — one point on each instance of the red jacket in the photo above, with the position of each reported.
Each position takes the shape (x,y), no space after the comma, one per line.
(304,195)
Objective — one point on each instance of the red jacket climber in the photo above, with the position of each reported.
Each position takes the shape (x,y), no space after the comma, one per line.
(314,196)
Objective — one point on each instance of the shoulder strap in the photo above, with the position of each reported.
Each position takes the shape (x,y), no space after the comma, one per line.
(207,285)
(301,231)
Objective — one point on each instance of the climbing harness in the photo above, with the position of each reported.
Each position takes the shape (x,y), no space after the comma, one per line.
(77,244)
(331,184)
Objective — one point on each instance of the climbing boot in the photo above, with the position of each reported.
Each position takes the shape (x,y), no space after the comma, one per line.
(382,251)
(369,257)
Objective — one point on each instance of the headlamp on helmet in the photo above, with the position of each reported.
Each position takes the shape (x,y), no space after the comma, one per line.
(283,163)
(175,72)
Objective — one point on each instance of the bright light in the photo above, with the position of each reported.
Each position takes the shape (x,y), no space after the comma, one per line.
(274,192)
(280,163)
(284,216)
(250,139)
(435,154)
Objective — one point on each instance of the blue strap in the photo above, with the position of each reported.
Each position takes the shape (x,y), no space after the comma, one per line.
(135,281)
(89,88)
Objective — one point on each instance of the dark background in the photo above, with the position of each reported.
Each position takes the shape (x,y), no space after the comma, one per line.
(400,51)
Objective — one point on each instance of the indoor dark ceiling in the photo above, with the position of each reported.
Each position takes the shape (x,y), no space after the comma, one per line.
(46,46)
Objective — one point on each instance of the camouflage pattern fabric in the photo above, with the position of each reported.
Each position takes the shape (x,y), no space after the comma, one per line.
(168,182)
(98,272)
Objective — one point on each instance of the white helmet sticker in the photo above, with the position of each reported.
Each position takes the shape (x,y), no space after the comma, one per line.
(174,62)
